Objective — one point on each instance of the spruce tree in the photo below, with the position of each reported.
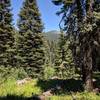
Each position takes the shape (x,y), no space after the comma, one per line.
(61,50)
(30,46)
(6,33)
(64,59)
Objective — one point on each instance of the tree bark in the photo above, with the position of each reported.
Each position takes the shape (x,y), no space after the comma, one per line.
(85,46)
(87,63)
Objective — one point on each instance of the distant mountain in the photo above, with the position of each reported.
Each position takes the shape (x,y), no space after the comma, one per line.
(52,35)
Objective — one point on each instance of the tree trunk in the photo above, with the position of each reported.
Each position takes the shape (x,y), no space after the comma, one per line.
(85,46)
(83,73)
(87,67)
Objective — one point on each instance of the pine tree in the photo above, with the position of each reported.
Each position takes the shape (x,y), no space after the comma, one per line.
(61,50)
(6,33)
(30,46)
(64,59)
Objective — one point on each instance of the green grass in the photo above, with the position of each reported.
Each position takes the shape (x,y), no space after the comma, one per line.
(9,90)
(77,96)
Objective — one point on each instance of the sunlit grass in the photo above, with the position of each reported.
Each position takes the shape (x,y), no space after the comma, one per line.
(77,96)
(10,88)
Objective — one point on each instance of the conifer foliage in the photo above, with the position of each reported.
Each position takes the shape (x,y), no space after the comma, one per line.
(30,47)
(6,37)
(64,59)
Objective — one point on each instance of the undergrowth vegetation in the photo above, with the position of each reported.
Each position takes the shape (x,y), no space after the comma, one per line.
(11,90)
(15,84)
(10,87)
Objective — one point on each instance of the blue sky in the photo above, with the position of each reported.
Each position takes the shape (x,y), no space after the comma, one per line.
(47,10)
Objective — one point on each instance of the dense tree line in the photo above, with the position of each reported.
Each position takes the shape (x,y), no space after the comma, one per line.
(22,48)
(76,48)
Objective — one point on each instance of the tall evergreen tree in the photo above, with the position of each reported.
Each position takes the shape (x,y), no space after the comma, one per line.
(30,46)
(6,36)
(87,31)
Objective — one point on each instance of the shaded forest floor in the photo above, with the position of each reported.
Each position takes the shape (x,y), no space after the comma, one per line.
(71,89)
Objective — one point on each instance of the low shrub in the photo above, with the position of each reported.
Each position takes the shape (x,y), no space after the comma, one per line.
(49,72)
(11,73)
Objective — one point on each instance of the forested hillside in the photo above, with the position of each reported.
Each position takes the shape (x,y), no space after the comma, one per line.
(52,35)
